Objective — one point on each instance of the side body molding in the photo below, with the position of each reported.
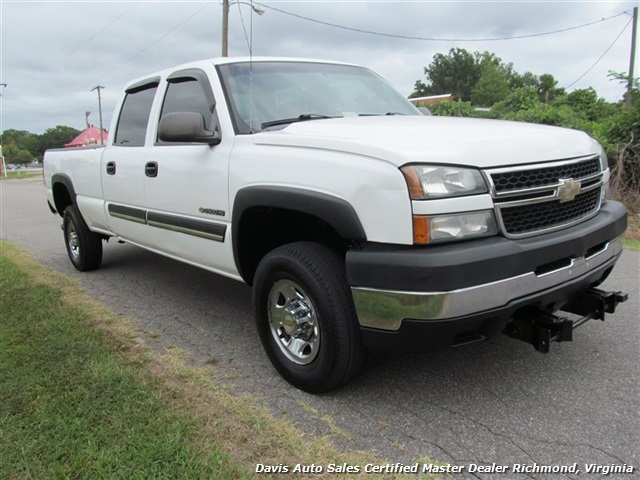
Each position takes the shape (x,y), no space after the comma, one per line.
(208,230)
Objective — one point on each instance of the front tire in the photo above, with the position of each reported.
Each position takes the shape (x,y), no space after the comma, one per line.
(305,317)
(84,247)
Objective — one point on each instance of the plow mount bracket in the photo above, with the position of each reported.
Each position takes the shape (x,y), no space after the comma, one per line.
(539,328)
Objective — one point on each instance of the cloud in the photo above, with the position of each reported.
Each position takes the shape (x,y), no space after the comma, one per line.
(54,53)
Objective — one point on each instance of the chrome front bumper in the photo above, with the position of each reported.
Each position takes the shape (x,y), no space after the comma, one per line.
(386,309)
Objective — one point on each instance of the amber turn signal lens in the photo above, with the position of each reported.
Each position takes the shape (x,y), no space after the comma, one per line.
(413,180)
(420,229)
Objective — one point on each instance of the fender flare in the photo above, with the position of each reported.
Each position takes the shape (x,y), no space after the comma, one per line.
(335,211)
(68,184)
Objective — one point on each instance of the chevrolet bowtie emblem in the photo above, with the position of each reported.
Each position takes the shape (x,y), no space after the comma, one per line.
(568,189)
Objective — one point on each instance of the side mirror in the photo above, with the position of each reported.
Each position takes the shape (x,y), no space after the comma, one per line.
(425,111)
(186,127)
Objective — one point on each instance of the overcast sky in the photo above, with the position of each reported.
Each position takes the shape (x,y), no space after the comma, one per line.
(54,52)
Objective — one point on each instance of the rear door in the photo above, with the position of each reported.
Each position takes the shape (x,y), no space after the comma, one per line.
(123,164)
(186,184)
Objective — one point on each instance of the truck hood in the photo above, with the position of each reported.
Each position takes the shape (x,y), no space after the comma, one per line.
(463,141)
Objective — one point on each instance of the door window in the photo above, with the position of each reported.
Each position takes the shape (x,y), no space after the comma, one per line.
(189,93)
(134,117)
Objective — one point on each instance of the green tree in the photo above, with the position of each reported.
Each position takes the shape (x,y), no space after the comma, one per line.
(420,89)
(480,77)
(56,137)
(13,136)
(487,59)
(586,103)
(527,79)
(455,73)
(492,86)
(22,139)
(547,88)
(14,154)
(623,78)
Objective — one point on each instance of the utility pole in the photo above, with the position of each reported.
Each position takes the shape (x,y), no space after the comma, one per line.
(3,167)
(225,28)
(225,21)
(633,56)
(98,87)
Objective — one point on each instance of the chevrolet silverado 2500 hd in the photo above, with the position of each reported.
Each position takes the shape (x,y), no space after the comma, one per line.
(358,221)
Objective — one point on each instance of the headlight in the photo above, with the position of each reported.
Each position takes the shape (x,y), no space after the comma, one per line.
(429,181)
(604,163)
(448,228)
(603,159)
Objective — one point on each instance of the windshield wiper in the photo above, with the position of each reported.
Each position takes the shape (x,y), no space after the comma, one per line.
(299,118)
(379,114)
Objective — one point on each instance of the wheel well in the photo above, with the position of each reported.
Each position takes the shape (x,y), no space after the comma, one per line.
(61,197)
(261,229)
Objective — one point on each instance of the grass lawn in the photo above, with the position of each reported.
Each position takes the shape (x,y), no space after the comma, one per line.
(82,397)
(632,235)
(21,174)
(74,404)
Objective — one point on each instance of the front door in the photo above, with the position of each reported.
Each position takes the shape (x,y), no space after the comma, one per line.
(186,185)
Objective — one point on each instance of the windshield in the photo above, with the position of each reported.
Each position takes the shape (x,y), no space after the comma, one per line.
(270,95)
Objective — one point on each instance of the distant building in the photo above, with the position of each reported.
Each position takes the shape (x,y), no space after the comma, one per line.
(90,136)
(430,100)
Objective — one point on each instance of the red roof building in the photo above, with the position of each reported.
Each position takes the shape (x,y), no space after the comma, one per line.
(91,136)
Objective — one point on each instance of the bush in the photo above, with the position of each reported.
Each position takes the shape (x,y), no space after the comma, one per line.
(452,109)
(621,141)
(525,98)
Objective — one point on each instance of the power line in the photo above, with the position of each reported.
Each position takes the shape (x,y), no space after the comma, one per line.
(244,29)
(84,43)
(156,40)
(434,39)
(601,56)
(133,56)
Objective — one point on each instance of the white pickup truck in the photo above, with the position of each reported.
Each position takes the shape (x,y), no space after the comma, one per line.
(358,221)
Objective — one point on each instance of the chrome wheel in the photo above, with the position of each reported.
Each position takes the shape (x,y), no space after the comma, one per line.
(305,316)
(84,247)
(73,241)
(293,322)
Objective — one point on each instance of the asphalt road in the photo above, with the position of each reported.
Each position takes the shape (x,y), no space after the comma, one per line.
(499,402)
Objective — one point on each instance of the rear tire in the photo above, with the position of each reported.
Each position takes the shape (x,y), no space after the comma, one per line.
(84,247)
(305,317)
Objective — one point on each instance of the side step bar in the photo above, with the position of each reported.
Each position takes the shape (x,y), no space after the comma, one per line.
(540,328)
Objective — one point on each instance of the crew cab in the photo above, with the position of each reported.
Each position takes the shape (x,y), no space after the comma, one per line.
(358,221)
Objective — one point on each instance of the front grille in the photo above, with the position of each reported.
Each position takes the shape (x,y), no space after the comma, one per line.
(539,177)
(535,199)
(529,218)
